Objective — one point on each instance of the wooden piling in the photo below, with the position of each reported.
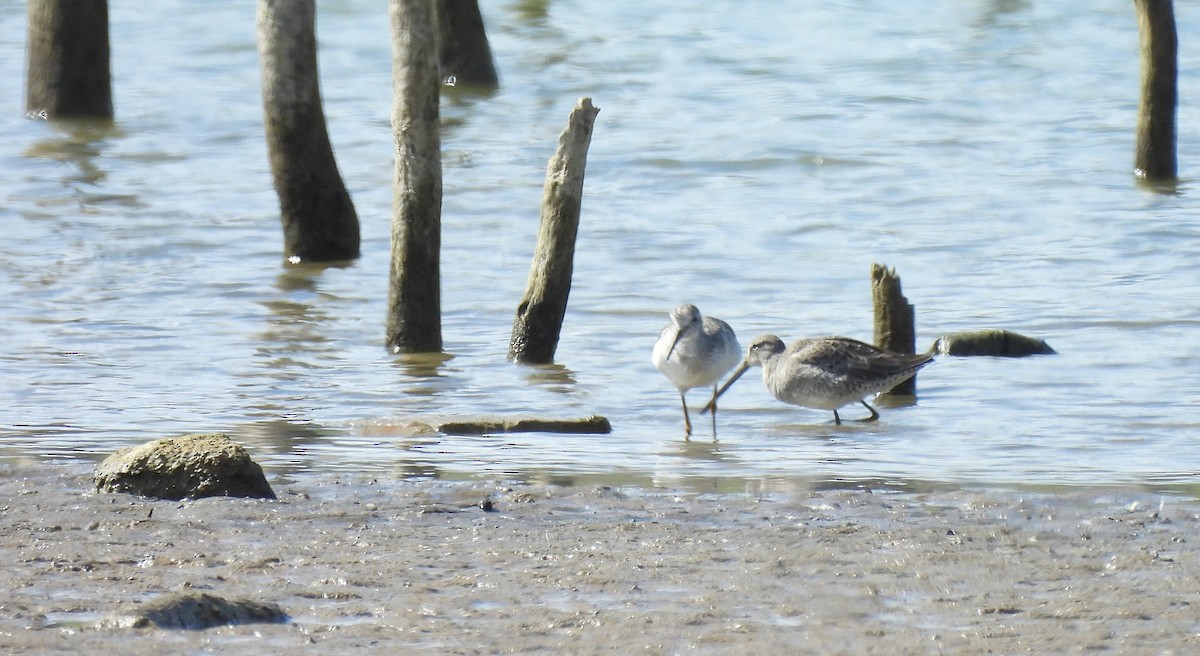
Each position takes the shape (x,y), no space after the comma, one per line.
(68,74)
(539,318)
(414,322)
(894,319)
(319,221)
(464,52)
(1155,159)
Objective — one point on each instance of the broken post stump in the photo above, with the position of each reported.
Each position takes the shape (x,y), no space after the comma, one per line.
(894,319)
(464,52)
(68,74)
(539,318)
(1155,159)
(414,320)
(319,221)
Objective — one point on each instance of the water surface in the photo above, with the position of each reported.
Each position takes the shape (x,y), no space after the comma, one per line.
(754,158)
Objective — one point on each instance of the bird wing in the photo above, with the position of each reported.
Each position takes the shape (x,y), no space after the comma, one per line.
(842,356)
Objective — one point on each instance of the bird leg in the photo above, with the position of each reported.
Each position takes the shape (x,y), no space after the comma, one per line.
(687,421)
(837,421)
(874,415)
(713,404)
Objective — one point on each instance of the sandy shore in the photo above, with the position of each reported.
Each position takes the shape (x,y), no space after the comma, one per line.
(365,565)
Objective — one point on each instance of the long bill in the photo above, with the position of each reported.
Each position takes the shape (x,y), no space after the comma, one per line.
(674,343)
(729,383)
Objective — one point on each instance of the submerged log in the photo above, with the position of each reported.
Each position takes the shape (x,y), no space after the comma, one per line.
(68,74)
(319,221)
(414,320)
(538,323)
(1155,159)
(1003,343)
(587,425)
(894,319)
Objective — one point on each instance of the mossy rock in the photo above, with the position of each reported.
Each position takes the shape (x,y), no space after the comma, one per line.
(1003,343)
(188,467)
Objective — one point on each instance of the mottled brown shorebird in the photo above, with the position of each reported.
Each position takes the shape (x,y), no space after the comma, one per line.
(826,372)
(695,351)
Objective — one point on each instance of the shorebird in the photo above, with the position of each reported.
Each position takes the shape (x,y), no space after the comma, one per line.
(826,372)
(695,351)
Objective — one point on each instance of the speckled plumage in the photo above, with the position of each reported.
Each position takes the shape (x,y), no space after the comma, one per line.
(827,372)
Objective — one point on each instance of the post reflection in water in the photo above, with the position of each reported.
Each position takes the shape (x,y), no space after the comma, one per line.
(295,353)
(294,336)
(422,365)
(701,451)
(290,441)
(553,377)
(80,142)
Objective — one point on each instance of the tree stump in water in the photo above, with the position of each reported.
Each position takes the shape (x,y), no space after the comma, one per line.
(319,221)
(894,319)
(1154,160)
(465,54)
(538,323)
(414,322)
(68,74)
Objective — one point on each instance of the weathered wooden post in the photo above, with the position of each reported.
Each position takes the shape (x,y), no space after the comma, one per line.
(68,73)
(539,317)
(414,322)
(1154,160)
(319,221)
(894,319)
(465,54)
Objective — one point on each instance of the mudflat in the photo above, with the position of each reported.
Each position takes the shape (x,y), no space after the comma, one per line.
(366,565)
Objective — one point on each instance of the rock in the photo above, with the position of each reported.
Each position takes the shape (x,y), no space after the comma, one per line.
(592,424)
(991,342)
(199,611)
(189,467)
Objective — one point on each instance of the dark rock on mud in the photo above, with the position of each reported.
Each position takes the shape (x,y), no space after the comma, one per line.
(200,611)
(188,467)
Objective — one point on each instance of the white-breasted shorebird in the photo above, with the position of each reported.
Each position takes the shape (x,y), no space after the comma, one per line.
(695,351)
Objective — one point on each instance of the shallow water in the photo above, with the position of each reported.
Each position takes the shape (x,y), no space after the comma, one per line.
(750,158)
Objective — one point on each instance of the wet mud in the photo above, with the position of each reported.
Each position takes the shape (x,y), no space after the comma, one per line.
(361,564)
